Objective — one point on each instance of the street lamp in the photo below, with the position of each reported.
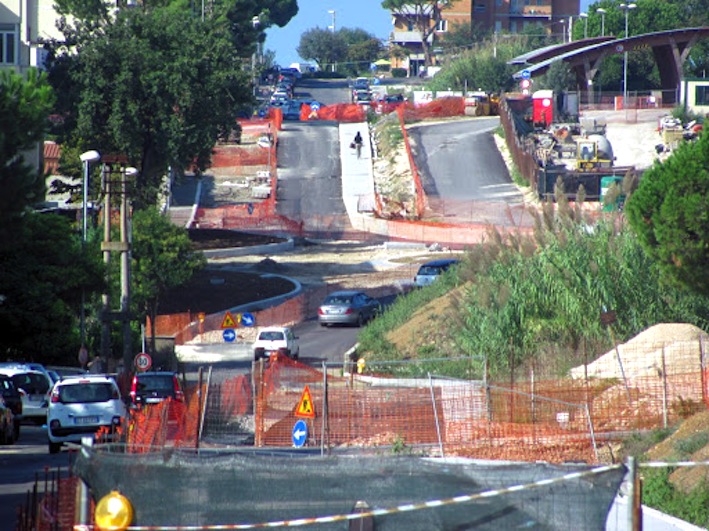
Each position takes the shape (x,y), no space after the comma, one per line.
(603,20)
(333,28)
(626,8)
(584,16)
(86,159)
(256,23)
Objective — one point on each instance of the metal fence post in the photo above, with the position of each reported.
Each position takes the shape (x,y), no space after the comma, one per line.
(435,415)
(81,515)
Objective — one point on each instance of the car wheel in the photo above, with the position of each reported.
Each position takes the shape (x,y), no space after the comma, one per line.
(323,325)
(54,448)
(360,320)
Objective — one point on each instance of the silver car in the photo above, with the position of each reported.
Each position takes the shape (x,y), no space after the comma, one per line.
(348,307)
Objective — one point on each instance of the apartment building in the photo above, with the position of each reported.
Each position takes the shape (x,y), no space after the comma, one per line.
(24,25)
(509,16)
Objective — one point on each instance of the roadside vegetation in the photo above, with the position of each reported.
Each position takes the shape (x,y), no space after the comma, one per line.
(536,301)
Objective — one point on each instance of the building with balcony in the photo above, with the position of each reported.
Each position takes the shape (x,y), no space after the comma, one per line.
(509,16)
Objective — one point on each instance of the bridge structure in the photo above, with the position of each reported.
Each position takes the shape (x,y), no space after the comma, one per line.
(670,49)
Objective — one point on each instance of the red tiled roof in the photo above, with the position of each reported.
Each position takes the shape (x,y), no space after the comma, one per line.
(52,151)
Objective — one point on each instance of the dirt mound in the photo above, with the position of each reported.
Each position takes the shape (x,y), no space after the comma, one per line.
(670,347)
(427,326)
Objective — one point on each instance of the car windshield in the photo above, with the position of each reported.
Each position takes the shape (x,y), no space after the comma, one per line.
(91,392)
(339,299)
(430,270)
(155,383)
(32,383)
(271,336)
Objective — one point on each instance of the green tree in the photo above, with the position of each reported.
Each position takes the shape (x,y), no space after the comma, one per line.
(484,68)
(155,87)
(670,213)
(461,37)
(423,15)
(42,273)
(363,48)
(163,258)
(322,46)
(25,103)
(559,78)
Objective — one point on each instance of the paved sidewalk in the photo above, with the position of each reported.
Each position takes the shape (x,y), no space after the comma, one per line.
(357,176)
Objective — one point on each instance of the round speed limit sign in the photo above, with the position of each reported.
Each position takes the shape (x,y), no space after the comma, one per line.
(143,361)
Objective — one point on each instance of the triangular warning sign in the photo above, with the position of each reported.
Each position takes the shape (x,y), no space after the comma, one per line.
(228,321)
(305,408)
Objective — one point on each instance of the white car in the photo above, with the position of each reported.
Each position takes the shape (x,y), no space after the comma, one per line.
(80,406)
(34,387)
(276,339)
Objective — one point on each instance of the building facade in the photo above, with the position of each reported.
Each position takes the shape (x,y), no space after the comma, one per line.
(494,16)
(24,26)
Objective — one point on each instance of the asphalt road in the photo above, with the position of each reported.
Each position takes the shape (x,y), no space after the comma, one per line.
(464,175)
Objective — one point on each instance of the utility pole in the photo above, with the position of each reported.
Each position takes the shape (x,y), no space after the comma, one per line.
(115,177)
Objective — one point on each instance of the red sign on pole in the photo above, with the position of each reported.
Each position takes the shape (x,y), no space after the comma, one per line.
(143,362)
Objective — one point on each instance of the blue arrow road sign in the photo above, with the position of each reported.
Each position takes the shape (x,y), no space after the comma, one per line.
(248,319)
(300,433)
(526,74)
(229,335)
(315,106)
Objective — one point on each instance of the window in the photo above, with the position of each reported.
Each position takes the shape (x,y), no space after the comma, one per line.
(442,25)
(701,96)
(8,40)
(479,7)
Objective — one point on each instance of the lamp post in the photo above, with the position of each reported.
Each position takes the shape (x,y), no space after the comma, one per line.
(256,23)
(86,159)
(333,28)
(603,20)
(584,16)
(626,8)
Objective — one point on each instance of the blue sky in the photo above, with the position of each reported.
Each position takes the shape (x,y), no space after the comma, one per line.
(368,15)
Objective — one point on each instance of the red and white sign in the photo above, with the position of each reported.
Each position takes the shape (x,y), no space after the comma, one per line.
(143,362)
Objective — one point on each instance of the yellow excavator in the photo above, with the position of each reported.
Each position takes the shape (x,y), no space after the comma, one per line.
(484,104)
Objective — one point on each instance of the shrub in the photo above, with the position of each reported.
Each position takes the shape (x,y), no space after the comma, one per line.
(398,72)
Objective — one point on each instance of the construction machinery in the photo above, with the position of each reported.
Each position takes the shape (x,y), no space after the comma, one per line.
(482,104)
(593,152)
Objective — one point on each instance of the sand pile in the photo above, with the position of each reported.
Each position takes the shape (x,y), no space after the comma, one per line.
(675,346)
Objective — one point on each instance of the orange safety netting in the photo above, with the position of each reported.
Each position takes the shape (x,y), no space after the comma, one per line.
(341,112)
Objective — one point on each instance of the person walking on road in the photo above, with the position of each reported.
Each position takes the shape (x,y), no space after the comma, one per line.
(358,144)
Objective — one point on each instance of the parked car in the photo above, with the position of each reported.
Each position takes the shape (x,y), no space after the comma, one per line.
(348,307)
(276,339)
(153,387)
(82,405)
(13,399)
(34,387)
(430,271)
(362,97)
(291,111)
(7,423)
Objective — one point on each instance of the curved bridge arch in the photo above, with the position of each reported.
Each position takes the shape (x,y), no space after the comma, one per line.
(670,49)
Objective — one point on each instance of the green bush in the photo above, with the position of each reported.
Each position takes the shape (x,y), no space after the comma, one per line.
(398,72)
(659,493)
